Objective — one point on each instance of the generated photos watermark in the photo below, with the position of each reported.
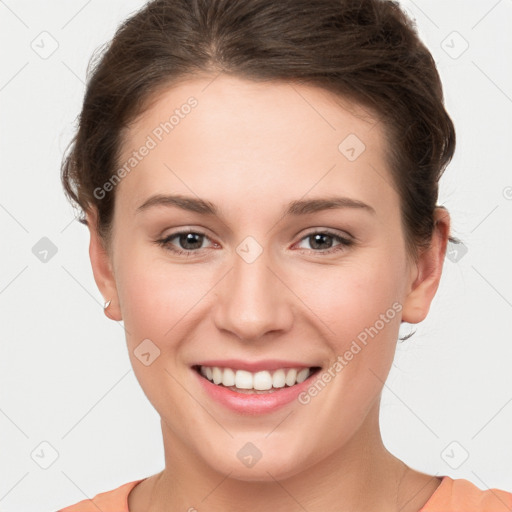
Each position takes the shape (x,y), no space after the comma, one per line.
(151,142)
(343,360)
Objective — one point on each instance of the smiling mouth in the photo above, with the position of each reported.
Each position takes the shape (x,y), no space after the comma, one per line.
(243,381)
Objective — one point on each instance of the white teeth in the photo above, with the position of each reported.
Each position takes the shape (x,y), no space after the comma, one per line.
(302,375)
(259,381)
(243,379)
(278,379)
(262,381)
(228,377)
(291,377)
(217,375)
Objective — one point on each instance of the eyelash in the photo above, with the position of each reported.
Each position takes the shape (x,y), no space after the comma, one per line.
(344,242)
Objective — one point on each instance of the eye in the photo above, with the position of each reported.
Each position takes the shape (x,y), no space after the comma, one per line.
(189,242)
(324,240)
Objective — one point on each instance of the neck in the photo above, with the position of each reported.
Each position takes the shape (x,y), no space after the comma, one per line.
(362,476)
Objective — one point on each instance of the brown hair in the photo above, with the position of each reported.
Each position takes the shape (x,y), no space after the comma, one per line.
(367,51)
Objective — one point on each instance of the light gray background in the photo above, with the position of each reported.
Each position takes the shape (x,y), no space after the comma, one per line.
(65,376)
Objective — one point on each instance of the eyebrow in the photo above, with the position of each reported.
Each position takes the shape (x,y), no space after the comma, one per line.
(294,208)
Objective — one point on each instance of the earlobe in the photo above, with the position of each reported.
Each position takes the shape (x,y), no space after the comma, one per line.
(426,273)
(102,269)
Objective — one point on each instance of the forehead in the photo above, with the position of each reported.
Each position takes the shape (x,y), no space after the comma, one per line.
(269,139)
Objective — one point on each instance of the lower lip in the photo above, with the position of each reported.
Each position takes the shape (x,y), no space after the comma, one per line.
(253,403)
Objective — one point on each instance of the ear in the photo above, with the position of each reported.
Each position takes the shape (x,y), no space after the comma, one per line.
(426,272)
(102,268)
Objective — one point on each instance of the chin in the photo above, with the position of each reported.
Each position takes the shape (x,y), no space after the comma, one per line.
(272,464)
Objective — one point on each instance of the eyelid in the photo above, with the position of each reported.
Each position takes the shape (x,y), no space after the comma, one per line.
(345,239)
(329,231)
(164,241)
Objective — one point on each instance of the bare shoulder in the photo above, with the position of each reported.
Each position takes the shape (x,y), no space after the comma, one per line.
(416,490)
(139,497)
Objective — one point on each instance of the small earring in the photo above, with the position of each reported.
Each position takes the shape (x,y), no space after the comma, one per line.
(107,304)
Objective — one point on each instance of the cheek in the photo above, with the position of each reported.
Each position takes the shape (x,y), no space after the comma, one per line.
(353,296)
(361,306)
(360,303)
(154,294)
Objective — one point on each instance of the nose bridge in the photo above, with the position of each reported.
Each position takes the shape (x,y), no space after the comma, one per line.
(252,300)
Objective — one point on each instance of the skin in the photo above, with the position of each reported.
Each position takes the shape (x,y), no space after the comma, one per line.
(251,148)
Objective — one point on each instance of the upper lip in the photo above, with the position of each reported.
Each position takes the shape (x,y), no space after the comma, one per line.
(254,366)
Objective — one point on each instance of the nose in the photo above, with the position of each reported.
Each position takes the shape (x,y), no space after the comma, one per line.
(253,300)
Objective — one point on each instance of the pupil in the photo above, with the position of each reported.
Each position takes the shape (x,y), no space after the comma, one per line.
(320,237)
(189,239)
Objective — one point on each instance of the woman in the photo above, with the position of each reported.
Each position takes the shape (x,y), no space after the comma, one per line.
(260,181)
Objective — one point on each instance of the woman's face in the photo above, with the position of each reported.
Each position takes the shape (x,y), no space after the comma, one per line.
(253,288)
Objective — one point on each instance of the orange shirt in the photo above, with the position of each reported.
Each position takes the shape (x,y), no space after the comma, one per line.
(457,495)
